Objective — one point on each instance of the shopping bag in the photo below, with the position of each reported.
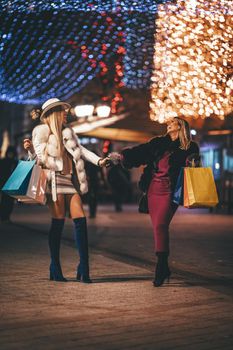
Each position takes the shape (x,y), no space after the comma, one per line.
(18,182)
(27,183)
(178,195)
(36,191)
(199,188)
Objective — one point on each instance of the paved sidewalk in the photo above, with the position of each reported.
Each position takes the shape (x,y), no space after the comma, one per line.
(120,310)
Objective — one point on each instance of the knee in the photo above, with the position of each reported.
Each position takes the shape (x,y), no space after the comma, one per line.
(58,217)
(76,209)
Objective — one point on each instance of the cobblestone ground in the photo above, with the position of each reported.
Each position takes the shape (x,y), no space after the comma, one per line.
(120,310)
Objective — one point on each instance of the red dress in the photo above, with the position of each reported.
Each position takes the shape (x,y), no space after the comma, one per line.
(161,206)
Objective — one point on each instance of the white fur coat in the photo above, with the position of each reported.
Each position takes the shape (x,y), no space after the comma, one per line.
(46,149)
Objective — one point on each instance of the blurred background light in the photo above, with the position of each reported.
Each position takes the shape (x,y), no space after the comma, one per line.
(56,48)
(193,132)
(192,74)
(84,111)
(103,111)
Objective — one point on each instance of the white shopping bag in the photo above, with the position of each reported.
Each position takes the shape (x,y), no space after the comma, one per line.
(36,191)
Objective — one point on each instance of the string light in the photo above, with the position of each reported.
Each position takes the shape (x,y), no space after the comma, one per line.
(54,48)
(138,61)
(193,60)
(45,56)
(79,5)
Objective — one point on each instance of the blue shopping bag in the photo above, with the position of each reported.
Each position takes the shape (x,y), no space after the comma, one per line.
(17,183)
(178,195)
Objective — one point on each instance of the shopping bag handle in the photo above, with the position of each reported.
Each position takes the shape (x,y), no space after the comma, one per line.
(193,161)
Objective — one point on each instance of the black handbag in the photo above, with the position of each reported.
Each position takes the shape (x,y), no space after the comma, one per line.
(143,204)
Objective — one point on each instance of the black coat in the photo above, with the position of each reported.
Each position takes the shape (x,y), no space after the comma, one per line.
(150,153)
(7,165)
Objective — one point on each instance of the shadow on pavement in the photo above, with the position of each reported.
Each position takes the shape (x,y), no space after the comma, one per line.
(116,279)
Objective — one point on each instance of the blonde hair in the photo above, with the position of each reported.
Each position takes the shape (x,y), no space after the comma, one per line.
(54,120)
(184,133)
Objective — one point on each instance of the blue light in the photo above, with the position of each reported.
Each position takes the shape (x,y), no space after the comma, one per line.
(41,52)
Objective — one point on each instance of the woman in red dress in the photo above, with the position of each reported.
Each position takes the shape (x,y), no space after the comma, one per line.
(163,158)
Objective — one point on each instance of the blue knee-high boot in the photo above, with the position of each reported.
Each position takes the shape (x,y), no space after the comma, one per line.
(81,239)
(54,247)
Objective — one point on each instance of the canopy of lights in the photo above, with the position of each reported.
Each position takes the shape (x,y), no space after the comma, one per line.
(193,56)
(180,49)
(54,48)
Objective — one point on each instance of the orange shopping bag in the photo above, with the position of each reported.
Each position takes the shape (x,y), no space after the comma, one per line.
(199,188)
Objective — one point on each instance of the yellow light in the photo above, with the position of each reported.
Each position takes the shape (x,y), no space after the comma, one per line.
(192,60)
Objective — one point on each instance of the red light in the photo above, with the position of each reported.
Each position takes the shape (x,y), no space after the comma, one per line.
(105,98)
(102,64)
(106,146)
(121,50)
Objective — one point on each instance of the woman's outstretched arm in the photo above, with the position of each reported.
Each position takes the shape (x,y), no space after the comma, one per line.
(136,156)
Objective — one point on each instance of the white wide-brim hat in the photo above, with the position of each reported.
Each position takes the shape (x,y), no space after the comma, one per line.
(51,103)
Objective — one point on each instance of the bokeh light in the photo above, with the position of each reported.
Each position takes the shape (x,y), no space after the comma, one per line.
(193,69)
(55,48)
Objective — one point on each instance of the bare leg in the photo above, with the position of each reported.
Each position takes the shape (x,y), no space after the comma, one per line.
(76,207)
(57,209)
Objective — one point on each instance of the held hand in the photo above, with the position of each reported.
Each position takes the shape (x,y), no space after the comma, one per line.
(104,162)
(28,146)
(115,158)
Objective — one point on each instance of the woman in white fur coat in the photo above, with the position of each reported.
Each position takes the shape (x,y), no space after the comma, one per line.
(58,150)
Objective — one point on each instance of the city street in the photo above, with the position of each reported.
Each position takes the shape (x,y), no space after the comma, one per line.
(121,309)
(106,99)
